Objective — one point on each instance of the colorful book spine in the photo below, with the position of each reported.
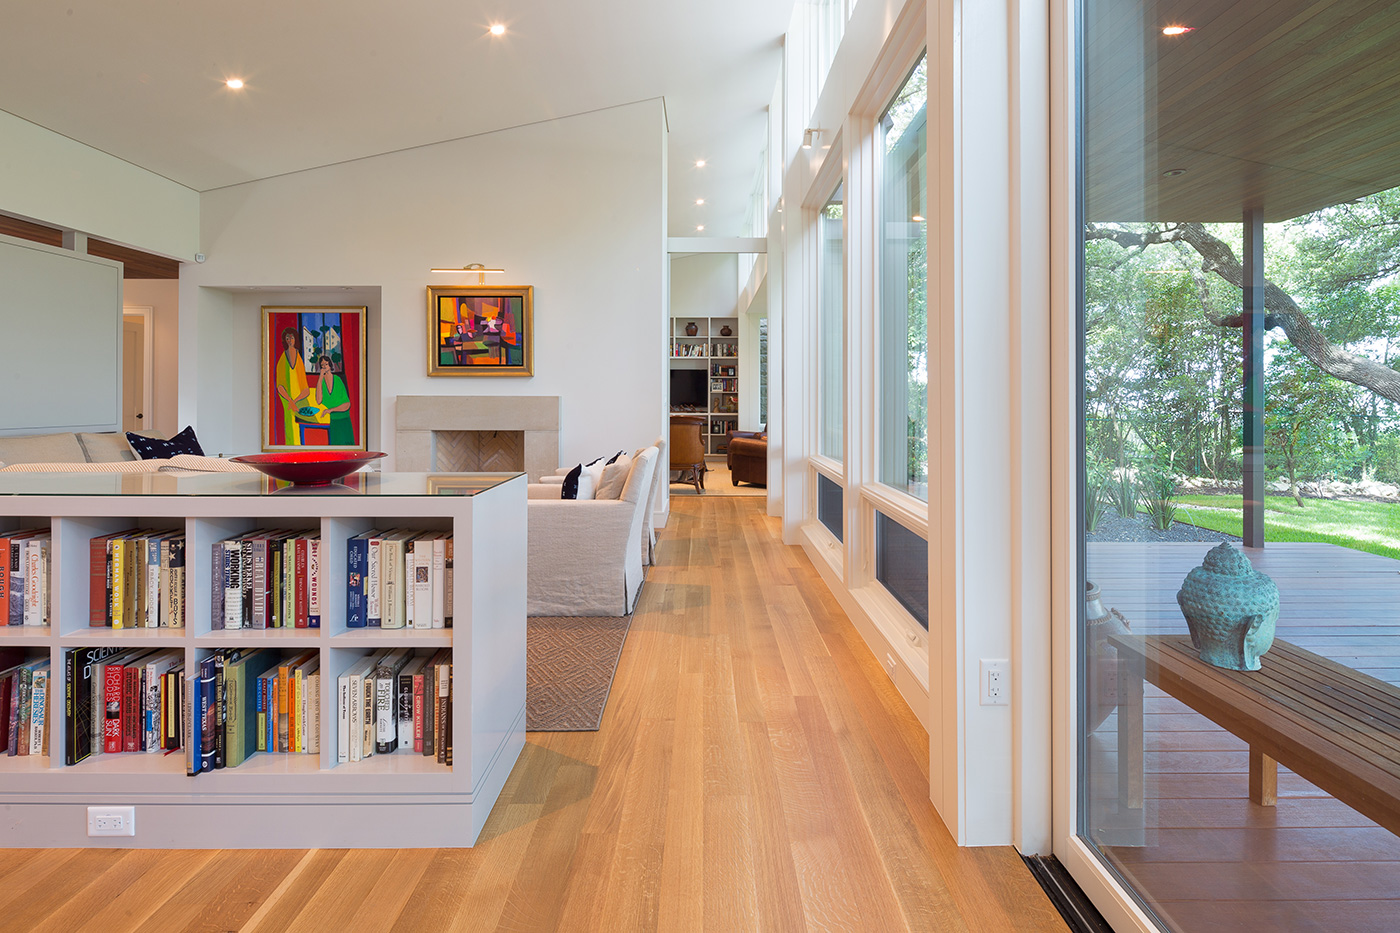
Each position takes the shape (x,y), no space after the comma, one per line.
(176,618)
(313,582)
(113,686)
(356,558)
(216,586)
(374,610)
(302,611)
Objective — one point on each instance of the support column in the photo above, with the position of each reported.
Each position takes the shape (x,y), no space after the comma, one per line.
(1253,340)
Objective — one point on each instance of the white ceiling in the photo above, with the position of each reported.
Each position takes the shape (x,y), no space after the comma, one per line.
(143,80)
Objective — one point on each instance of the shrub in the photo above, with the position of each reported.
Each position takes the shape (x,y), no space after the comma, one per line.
(1095,489)
(1122,493)
(1159,498)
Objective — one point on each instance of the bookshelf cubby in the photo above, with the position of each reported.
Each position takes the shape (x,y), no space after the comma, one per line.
(715,354)
(281,800)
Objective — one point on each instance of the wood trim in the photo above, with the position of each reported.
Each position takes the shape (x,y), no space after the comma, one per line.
(28,230)
(135,263)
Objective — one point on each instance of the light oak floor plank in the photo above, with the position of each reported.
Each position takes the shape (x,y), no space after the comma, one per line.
(755,770)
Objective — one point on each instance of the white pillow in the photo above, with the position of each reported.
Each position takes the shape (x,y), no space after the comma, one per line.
(592,478)
(614,478)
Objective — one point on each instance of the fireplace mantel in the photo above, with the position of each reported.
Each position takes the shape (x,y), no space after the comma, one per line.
(418,417)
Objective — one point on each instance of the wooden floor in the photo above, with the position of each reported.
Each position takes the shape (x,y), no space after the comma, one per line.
(1212,860)
(755,770)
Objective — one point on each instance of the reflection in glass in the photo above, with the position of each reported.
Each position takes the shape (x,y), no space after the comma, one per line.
(903,289)
(831,340)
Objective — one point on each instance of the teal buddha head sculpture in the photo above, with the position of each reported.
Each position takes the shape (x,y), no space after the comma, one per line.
(1230,608)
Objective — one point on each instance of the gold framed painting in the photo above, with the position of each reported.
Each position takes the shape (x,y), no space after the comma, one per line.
(481,330)
(313,378)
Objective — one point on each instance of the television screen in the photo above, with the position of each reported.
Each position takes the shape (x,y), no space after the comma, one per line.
(687,388)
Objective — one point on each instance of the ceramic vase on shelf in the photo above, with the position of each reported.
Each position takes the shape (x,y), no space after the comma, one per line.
(691,330)
(1102,669)
(725,331)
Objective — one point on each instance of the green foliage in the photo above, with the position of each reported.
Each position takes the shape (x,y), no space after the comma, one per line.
(1158,497)
(1095,490)
(1122,493)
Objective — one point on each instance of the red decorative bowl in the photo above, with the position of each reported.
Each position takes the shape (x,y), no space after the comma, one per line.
(310,467)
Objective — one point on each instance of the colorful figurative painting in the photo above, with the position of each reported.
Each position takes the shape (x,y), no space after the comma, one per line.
(480,331)
(313,364)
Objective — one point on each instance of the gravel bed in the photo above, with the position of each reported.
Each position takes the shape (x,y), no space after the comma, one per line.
(1113,527)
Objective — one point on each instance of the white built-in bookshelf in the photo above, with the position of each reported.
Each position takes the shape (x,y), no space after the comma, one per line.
(278,800)
(715,354)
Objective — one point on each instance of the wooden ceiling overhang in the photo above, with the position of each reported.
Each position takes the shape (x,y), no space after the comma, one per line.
(136,264)
(1283,106)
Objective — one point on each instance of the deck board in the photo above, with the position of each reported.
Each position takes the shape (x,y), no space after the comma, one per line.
(1213,860)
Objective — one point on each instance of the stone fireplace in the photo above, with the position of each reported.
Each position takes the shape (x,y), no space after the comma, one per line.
(455,433)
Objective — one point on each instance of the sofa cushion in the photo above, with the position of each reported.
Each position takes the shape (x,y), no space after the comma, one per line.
(108,447)
(42,448)
(614,477)
(150,448)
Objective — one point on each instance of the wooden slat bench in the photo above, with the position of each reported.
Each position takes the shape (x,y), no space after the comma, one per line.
(1333,726)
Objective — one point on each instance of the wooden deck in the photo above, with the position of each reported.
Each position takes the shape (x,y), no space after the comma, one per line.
(1212,860)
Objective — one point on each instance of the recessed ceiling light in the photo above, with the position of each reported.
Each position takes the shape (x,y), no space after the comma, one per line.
(1173,172)
(498,29)
(234,83)
(1177,30)
(699,163)
(699,201)
(699,227)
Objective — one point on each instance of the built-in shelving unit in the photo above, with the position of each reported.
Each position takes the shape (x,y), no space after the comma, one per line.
(281,800)
(715,355)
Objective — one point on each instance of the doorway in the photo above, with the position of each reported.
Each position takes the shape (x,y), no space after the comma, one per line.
(136,368)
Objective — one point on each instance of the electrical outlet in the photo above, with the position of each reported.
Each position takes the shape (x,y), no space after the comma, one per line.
(111,821)
(889,665)
(996,682)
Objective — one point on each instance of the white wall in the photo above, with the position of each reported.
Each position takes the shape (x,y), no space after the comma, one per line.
(54,180)
(574,207)
(703,285)
(162,296)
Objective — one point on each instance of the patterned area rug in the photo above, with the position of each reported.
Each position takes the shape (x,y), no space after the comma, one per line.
(569,670)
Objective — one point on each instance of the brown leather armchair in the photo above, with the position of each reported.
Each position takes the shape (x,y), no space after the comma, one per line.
(688,450)
(748,457)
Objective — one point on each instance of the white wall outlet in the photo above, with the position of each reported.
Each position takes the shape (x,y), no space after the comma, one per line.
(111,821)
(996,682)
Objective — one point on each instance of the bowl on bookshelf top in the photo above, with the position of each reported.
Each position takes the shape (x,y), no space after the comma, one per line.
(310,467)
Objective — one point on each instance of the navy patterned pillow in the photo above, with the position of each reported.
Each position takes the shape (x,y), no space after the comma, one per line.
(153,448)
(570,489)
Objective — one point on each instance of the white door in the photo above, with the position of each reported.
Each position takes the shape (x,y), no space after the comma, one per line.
(134,400)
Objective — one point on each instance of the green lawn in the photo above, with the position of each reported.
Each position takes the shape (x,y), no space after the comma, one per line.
(1364,526)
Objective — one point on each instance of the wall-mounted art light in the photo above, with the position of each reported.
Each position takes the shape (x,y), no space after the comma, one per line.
(479,268)
(808,135)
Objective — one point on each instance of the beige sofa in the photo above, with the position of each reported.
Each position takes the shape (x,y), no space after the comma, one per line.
(108,452)
(586,554)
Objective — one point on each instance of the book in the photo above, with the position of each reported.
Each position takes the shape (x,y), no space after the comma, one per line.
(241,692)
(350,715)
(285,696)
(99,609)
(18,540)
(176,616)
(392,579)
(356,558)
(374,610)
(205,712)
(35,579)
(313,581)
(193,740)
(216,586)
(220,706)
(38,711)
(449,587)
(129,576)
(300,610)
(405,705)
(313,711)
(305,705)
(157,666)
(77,706)
(422,721)
(386,701)
(231,572)
(260,580)
(421,573)
(439,580)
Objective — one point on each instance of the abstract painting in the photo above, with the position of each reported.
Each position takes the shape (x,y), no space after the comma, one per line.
(480,331)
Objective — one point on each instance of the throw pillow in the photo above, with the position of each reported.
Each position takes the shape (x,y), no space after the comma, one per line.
(614,477)
(613,458)
(592,478)
(570,487)
(153,448)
